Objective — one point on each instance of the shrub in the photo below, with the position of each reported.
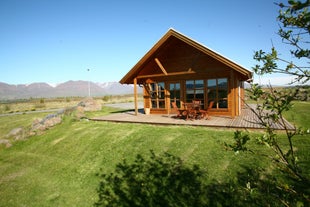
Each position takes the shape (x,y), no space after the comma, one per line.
(158,181)
(106,98)
(7,107)
(164,180)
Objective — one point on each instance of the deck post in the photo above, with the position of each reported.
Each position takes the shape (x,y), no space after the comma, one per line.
(234,91)
(135,95)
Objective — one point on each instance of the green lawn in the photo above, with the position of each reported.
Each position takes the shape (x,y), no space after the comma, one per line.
(59,167)
(299,114)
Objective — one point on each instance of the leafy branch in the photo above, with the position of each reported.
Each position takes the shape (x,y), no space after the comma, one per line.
(270,104)
(294,30)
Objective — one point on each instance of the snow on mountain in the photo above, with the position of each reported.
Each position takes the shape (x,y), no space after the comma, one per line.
(117,88)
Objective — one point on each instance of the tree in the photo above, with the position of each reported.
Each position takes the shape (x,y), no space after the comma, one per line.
(294,30)
(157,181)
(165,180)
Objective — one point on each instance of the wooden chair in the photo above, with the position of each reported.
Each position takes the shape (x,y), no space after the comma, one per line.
(196,104)
(205,113)
(195,111)
(180,113)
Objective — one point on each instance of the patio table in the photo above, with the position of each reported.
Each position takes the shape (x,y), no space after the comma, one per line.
(192,111)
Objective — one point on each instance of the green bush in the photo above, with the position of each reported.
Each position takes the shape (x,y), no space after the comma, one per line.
(164,180)
(7,107)
(106,98)
(158,181)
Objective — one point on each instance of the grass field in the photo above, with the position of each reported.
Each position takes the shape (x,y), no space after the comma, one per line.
(59,167)
(299,114)
(56,103)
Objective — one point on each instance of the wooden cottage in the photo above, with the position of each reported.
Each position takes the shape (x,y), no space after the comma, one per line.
(179,69)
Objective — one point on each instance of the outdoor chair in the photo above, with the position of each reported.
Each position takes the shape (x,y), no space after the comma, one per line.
(196,110)
(180,112)
(205,113)
(201,113)
(196,104)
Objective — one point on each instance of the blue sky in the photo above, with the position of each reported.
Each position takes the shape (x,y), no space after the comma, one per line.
(58,40)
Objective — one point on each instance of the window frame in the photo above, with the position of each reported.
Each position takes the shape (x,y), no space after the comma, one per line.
(195,88)
(173,93)
(219,101)
(157,95)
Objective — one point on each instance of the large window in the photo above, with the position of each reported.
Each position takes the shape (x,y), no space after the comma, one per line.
(195,91)
(218,92)
(157,93)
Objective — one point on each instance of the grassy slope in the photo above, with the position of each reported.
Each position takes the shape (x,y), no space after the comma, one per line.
(59,168)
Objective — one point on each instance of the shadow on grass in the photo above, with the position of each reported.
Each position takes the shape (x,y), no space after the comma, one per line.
(121,111)
(140,111)
(163,180)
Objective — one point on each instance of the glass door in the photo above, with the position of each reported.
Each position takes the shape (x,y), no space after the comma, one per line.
(157,93)
(175,93)
(218,93)
(195,91)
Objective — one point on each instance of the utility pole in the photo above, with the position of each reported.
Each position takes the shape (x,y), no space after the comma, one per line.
(88,84)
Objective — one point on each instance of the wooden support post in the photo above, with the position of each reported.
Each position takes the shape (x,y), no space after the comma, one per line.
(135,95)
(167,100)
(239,98)
(233,97)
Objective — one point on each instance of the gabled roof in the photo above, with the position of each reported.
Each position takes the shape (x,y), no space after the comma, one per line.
(129,77)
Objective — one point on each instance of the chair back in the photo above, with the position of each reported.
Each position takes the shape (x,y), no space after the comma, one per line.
(174,105)
(210,105)
(196,103)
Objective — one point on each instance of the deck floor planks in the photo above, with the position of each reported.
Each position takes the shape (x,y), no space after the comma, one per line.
(247,120)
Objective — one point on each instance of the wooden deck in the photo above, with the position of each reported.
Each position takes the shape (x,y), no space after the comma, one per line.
(247,120)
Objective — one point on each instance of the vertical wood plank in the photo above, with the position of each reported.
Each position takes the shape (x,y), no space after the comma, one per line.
(233,93)
(135,95)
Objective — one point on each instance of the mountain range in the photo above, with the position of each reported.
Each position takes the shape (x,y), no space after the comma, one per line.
(66,89)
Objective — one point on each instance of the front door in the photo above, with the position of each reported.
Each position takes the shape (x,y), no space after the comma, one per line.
(157,94)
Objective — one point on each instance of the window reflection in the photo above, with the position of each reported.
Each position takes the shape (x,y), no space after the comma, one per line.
(195,91)
(218,92)
(175,93)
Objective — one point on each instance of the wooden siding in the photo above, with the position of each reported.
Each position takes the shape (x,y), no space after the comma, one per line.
(177,58)
(177,52)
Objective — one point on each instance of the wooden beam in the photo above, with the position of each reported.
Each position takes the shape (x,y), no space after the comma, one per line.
(135,95)
(233,90)
(161,66)
(168,74)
